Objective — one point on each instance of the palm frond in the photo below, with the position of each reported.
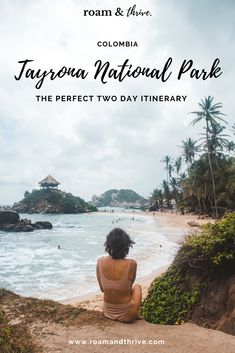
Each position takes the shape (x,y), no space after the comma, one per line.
(195,121)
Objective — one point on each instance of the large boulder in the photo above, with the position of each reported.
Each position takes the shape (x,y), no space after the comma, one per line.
(9,217)
(37,226)
(8,227)
(44,224)
(23,228)
(10,222)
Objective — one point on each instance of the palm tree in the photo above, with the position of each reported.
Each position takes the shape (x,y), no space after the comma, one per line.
(217,141)
(170,170)
(174,183)
(183,176)
(230,146)
(178,165)
(190,148)
(167,160)
(233,129)
(166,193)
(231,180)
(157,198)
(210,114)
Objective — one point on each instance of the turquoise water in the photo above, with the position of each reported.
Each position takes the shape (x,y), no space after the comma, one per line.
(31,263)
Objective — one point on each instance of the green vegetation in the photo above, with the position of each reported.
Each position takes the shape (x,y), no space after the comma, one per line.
(212,248)
(168,301)
(201,258)
(128,195)
(114,196)
(58,201)
(202,180)
(106,198)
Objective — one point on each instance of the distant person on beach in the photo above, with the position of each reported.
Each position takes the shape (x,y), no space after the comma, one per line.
(116,276)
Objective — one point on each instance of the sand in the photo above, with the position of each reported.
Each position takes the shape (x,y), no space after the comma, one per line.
(169,219)
(186,338)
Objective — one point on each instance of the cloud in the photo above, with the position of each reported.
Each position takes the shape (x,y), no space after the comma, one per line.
(91,147)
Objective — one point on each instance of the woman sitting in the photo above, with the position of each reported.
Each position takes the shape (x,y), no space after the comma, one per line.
(116,275)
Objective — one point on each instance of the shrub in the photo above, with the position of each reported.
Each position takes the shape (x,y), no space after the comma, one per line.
(213,247)
(201,257)
(169,301)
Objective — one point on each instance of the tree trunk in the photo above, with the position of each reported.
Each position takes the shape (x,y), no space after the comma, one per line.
(211,170)
(199,204)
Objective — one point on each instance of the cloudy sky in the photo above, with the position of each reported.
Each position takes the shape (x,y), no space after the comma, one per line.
(91,147)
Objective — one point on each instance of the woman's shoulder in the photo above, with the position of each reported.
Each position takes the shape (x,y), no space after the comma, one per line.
(101,258)
(132,262)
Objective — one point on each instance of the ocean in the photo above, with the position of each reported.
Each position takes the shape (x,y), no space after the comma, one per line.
(31,264)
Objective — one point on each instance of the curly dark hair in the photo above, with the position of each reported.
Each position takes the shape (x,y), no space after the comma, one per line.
(117,243)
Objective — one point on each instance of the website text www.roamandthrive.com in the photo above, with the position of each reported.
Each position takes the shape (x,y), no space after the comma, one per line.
(122,341)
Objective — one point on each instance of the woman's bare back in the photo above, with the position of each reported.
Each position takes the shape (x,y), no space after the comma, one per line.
(116,270)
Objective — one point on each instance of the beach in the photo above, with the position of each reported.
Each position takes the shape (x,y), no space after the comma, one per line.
(98,334)
(173,226)
(55,328)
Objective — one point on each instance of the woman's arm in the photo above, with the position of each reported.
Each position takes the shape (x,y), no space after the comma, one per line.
(133,271)
(98,276)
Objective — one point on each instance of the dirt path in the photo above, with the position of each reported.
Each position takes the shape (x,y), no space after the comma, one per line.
(186,338)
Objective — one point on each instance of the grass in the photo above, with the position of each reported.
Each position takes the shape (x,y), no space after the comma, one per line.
(17,337)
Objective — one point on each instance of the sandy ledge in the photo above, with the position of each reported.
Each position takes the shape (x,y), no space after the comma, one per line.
(185,338)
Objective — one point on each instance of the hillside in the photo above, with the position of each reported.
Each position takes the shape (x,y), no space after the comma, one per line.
(52,201)
(119,198)
(200,284)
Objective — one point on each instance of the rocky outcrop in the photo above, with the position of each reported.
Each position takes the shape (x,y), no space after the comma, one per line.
(9,217)
(10,222)
(119,198)
(40,206)
(52,201)
(44,225)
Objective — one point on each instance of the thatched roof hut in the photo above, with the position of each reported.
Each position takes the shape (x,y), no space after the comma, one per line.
(49,182)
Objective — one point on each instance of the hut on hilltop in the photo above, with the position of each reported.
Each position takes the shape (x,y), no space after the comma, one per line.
(49,183)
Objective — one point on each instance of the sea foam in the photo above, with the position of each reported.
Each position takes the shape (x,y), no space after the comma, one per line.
(32,264)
